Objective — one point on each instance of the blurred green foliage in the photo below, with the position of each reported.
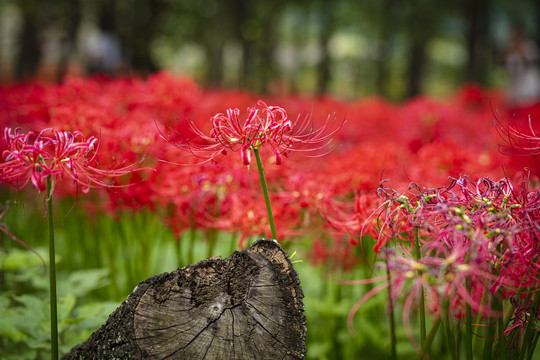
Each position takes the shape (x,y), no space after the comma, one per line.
(24,306)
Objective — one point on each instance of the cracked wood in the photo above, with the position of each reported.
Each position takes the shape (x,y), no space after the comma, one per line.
(247,306)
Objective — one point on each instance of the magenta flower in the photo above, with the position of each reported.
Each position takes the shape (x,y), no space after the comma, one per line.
(58,154)
(264,126)
(457,250)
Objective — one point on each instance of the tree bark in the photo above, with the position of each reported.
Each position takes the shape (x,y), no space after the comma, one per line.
(247,306)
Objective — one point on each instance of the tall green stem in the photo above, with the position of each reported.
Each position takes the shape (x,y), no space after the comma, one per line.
(391,317)
(265,192)
(489,336)
(232,245)
(178,242)
(468,327)
(530,339)
(212,237)
(192,238)
(421,305)
(449,330)
(429,338)
(52,275)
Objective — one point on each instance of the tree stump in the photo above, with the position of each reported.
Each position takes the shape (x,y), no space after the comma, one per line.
(247,306)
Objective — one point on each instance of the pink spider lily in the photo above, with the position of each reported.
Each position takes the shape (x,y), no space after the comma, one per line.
(34,157)
(460,244)
(264,126)
(43,158)
(486,216)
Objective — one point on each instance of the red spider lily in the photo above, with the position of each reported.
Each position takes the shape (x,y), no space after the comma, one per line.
(517,141)
(335,253)
(58,154)
(264,126)
(339,217)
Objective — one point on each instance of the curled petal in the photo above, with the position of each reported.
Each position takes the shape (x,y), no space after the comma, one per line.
(246,156)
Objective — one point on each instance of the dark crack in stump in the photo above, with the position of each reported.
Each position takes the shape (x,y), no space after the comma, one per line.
(247,306)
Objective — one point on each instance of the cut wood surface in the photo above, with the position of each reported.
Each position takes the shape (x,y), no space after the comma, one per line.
(247,306)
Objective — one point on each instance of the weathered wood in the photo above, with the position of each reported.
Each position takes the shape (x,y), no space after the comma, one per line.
(247,306)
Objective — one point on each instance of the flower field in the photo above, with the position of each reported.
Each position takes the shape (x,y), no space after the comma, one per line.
(415,223)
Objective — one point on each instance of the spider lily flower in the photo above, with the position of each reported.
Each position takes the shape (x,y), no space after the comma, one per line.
(476,239)
(59,154)
(264,126)
(518,142)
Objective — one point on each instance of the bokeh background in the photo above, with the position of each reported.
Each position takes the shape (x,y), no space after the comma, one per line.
(420,83)
(348,48)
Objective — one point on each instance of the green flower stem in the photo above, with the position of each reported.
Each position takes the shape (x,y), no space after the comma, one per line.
(233,242)
(533,346)
(489,336)
(212,237)
(531,332)
(178,242)
(191,249)
(265,192)
(429,338)
(468,328)
(468,323)
(392,316)
(421,305)
(452,345)
(52,275)
(500,328)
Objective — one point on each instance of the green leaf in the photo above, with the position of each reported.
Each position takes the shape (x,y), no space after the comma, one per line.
(21,259)
(80,283)
(8,330)
(66,304)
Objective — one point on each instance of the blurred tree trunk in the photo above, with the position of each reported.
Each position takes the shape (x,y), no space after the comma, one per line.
(137,32)
(214,43)
(29,56)
(476,13)
(417,61)
(241,12)
(383,48)
(255,29)
(69,41)
(420,25)
(269,15)
(537,30)
(327,25)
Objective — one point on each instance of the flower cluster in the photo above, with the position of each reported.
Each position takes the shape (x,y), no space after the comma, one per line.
(471,243)
(32,157)
(422,139)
